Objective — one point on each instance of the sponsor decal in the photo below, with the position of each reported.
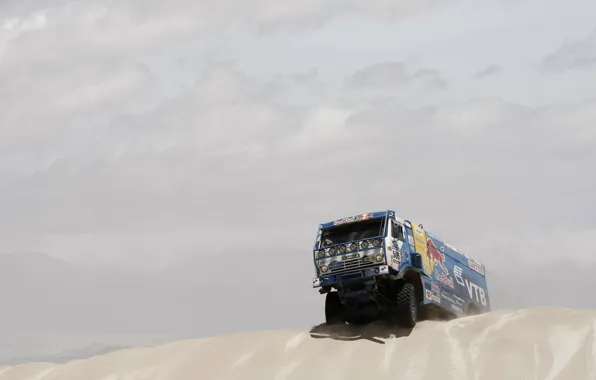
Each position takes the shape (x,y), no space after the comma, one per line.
(343,221)
(335,265)
(435,292)
(475,292)
(447,296)
(396,261)
(455,307)
(350,256)
(447,280)
(352,219)
(435,256)
(452,298)
(458,272)
(428,294)
(459,300)
(476,266)
(410,240)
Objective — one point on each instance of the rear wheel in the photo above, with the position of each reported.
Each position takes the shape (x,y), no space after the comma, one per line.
(407,306)
(472,309)
(333,309)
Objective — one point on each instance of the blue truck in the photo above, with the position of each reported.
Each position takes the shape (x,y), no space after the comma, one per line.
(378,265)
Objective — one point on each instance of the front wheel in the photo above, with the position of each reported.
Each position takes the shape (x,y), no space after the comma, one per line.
(333,309)
(407,306)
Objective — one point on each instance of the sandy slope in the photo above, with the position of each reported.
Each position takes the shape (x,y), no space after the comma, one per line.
(528,344)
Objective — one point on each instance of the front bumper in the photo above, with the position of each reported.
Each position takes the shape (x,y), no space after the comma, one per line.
(331,279)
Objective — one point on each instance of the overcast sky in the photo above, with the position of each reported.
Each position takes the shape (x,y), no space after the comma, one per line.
(145,134)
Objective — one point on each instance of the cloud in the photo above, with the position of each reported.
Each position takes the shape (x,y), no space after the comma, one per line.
(229,147)
(488,71)
(571,55)
(102,149)
(393,75)
(151,21)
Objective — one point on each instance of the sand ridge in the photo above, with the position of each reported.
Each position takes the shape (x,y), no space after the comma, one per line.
(537,343)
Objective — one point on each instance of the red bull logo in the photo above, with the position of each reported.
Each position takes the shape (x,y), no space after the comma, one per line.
(435,256)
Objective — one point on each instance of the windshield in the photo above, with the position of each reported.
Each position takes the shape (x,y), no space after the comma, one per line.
(352,231)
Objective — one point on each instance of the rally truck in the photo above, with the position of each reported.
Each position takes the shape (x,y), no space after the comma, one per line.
(378,265)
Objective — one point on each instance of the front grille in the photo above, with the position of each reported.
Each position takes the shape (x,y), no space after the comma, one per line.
(357,263)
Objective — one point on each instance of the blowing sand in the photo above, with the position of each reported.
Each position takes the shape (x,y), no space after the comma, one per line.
(540,343)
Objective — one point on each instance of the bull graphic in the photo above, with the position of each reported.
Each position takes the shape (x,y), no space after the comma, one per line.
(435,256)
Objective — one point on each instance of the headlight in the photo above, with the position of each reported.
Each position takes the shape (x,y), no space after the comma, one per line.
(379,258)
(324,268)
(353,246)
(320,253)
(364,244)
(342,249)
(377,242)
(332,251)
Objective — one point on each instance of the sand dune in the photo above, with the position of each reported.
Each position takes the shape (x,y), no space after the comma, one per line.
(540,343)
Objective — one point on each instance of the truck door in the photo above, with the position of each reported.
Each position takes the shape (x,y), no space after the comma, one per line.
(397,246)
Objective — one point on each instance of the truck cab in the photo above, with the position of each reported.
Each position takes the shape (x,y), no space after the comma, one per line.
(377,265)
